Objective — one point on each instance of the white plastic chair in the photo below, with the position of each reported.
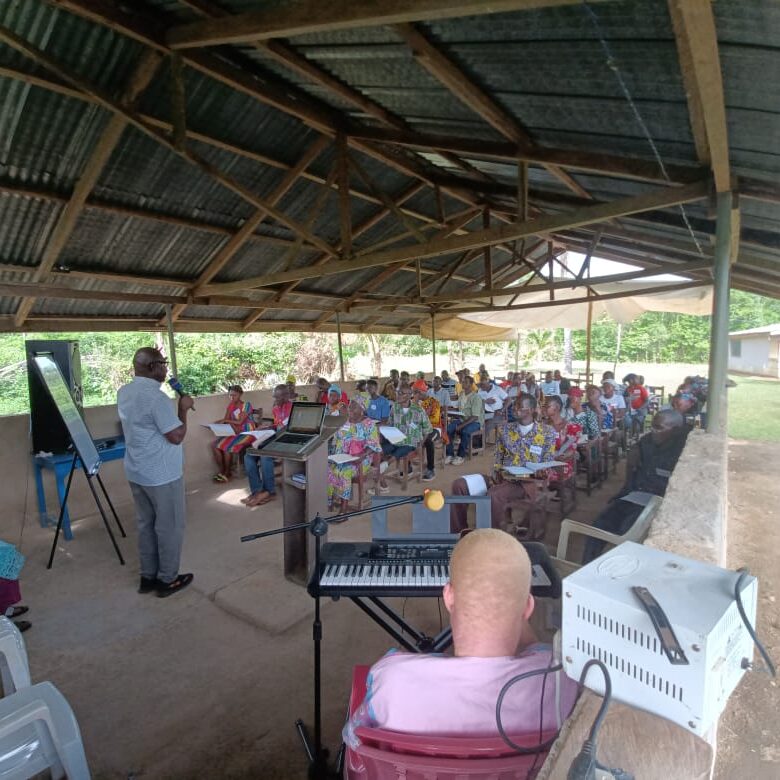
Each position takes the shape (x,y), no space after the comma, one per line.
(14,667)
(636,533)
(39,732)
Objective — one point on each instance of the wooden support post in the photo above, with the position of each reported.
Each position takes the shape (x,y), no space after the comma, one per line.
(517,350)
(433,340)
(587,342)
(178,102)
(171,340)
(487,255)
(345,220)
(341,350)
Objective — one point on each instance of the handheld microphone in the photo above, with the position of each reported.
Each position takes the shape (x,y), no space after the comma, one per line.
(176,386)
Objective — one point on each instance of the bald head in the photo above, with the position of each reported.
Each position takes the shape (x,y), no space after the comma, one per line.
(150,363)
(488,595)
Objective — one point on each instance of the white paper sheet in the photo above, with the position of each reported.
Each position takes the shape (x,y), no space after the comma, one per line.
(476,484)
(342,457)
(220,429)
(391,433)
(261,436)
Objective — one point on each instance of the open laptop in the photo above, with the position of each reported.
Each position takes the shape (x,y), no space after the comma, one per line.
(303,428)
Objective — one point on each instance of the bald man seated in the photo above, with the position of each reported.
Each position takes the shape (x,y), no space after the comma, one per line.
(489,600)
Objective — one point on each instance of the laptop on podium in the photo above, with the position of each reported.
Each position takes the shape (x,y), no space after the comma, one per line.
(303,427)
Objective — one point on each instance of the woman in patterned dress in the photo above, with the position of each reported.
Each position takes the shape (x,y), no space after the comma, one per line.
(567,435)
(239,416)
(358,436)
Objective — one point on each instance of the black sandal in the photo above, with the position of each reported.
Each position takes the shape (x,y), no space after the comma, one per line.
(23,625)
(165,589)
(17,612)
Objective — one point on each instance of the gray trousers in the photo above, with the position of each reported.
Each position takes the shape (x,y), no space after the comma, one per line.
(160,519)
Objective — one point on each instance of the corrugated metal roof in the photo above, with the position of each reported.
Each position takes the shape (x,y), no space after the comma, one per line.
(546,67)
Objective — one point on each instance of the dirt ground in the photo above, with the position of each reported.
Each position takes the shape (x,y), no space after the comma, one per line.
(749,732)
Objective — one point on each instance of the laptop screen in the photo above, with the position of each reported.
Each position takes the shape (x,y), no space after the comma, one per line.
(306,418)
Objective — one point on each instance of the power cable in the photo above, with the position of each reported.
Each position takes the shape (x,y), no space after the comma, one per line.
(612,64)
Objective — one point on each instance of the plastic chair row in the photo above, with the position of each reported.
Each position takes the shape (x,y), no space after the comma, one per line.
(38,730)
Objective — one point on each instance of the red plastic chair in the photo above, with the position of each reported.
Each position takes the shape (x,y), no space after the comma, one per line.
(391,755)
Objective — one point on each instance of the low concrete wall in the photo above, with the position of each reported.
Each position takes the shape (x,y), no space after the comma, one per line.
(17,488)
(692,521)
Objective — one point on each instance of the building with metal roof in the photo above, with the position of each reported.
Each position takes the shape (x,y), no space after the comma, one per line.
(371,167)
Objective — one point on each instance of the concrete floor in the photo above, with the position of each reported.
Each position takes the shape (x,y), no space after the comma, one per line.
(209,682)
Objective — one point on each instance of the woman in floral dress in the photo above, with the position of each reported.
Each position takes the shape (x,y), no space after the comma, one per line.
(567,435)
(239,416)
(358,436)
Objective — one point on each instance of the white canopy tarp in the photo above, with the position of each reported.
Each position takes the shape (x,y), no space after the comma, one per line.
(501,325)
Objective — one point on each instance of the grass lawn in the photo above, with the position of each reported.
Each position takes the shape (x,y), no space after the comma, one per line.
(754,408)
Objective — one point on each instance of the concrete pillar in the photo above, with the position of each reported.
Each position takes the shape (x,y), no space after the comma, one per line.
(719,328)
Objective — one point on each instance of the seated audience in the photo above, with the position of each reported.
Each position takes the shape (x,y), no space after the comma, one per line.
(291,391)
(447,381)
(238,416)
(378,405)
(459,384)
(362,396)
(440,393)
(639,399)
(391,386)
(404,378)
(507,383)
(322,390)
(550,386)
(434,411)
(609,376)
(564,384)
(337,400)
(517,443)
(359,436)
(472,419)
(532,388)
(419,382)
(412,421)
(490,603)
(493,396)
(614,401)
(648,468)
(567,434)
(260,468)
(595,402)
(585,417)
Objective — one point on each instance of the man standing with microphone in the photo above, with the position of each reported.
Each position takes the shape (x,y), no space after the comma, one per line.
(154,466)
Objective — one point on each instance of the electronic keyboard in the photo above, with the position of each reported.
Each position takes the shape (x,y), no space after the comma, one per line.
(407,568)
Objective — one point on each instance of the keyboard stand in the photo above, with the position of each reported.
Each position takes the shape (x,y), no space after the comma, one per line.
(422,642)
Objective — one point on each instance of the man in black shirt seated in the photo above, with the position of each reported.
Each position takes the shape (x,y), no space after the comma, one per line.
(648,468)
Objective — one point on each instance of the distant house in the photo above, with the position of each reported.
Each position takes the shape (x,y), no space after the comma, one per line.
(755,351)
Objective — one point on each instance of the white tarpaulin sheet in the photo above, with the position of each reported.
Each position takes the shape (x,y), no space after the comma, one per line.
(695,300)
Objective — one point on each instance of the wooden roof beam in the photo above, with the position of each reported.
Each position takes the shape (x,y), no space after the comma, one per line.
(591,162)
(284,20)
(670,196)
(140,79)
(444,70)
(697,48)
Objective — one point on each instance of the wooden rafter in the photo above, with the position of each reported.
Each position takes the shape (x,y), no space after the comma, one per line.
(697,48)
(442,68)
(126,112)
(384,276)
(557,284)
(247,230)
(142,76)
(497,234)
(308,16)
(593,162)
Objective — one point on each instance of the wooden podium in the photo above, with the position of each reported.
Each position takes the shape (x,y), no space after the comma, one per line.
(301,500)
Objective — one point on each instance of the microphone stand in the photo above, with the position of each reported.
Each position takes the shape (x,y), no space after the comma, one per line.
(318,527)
